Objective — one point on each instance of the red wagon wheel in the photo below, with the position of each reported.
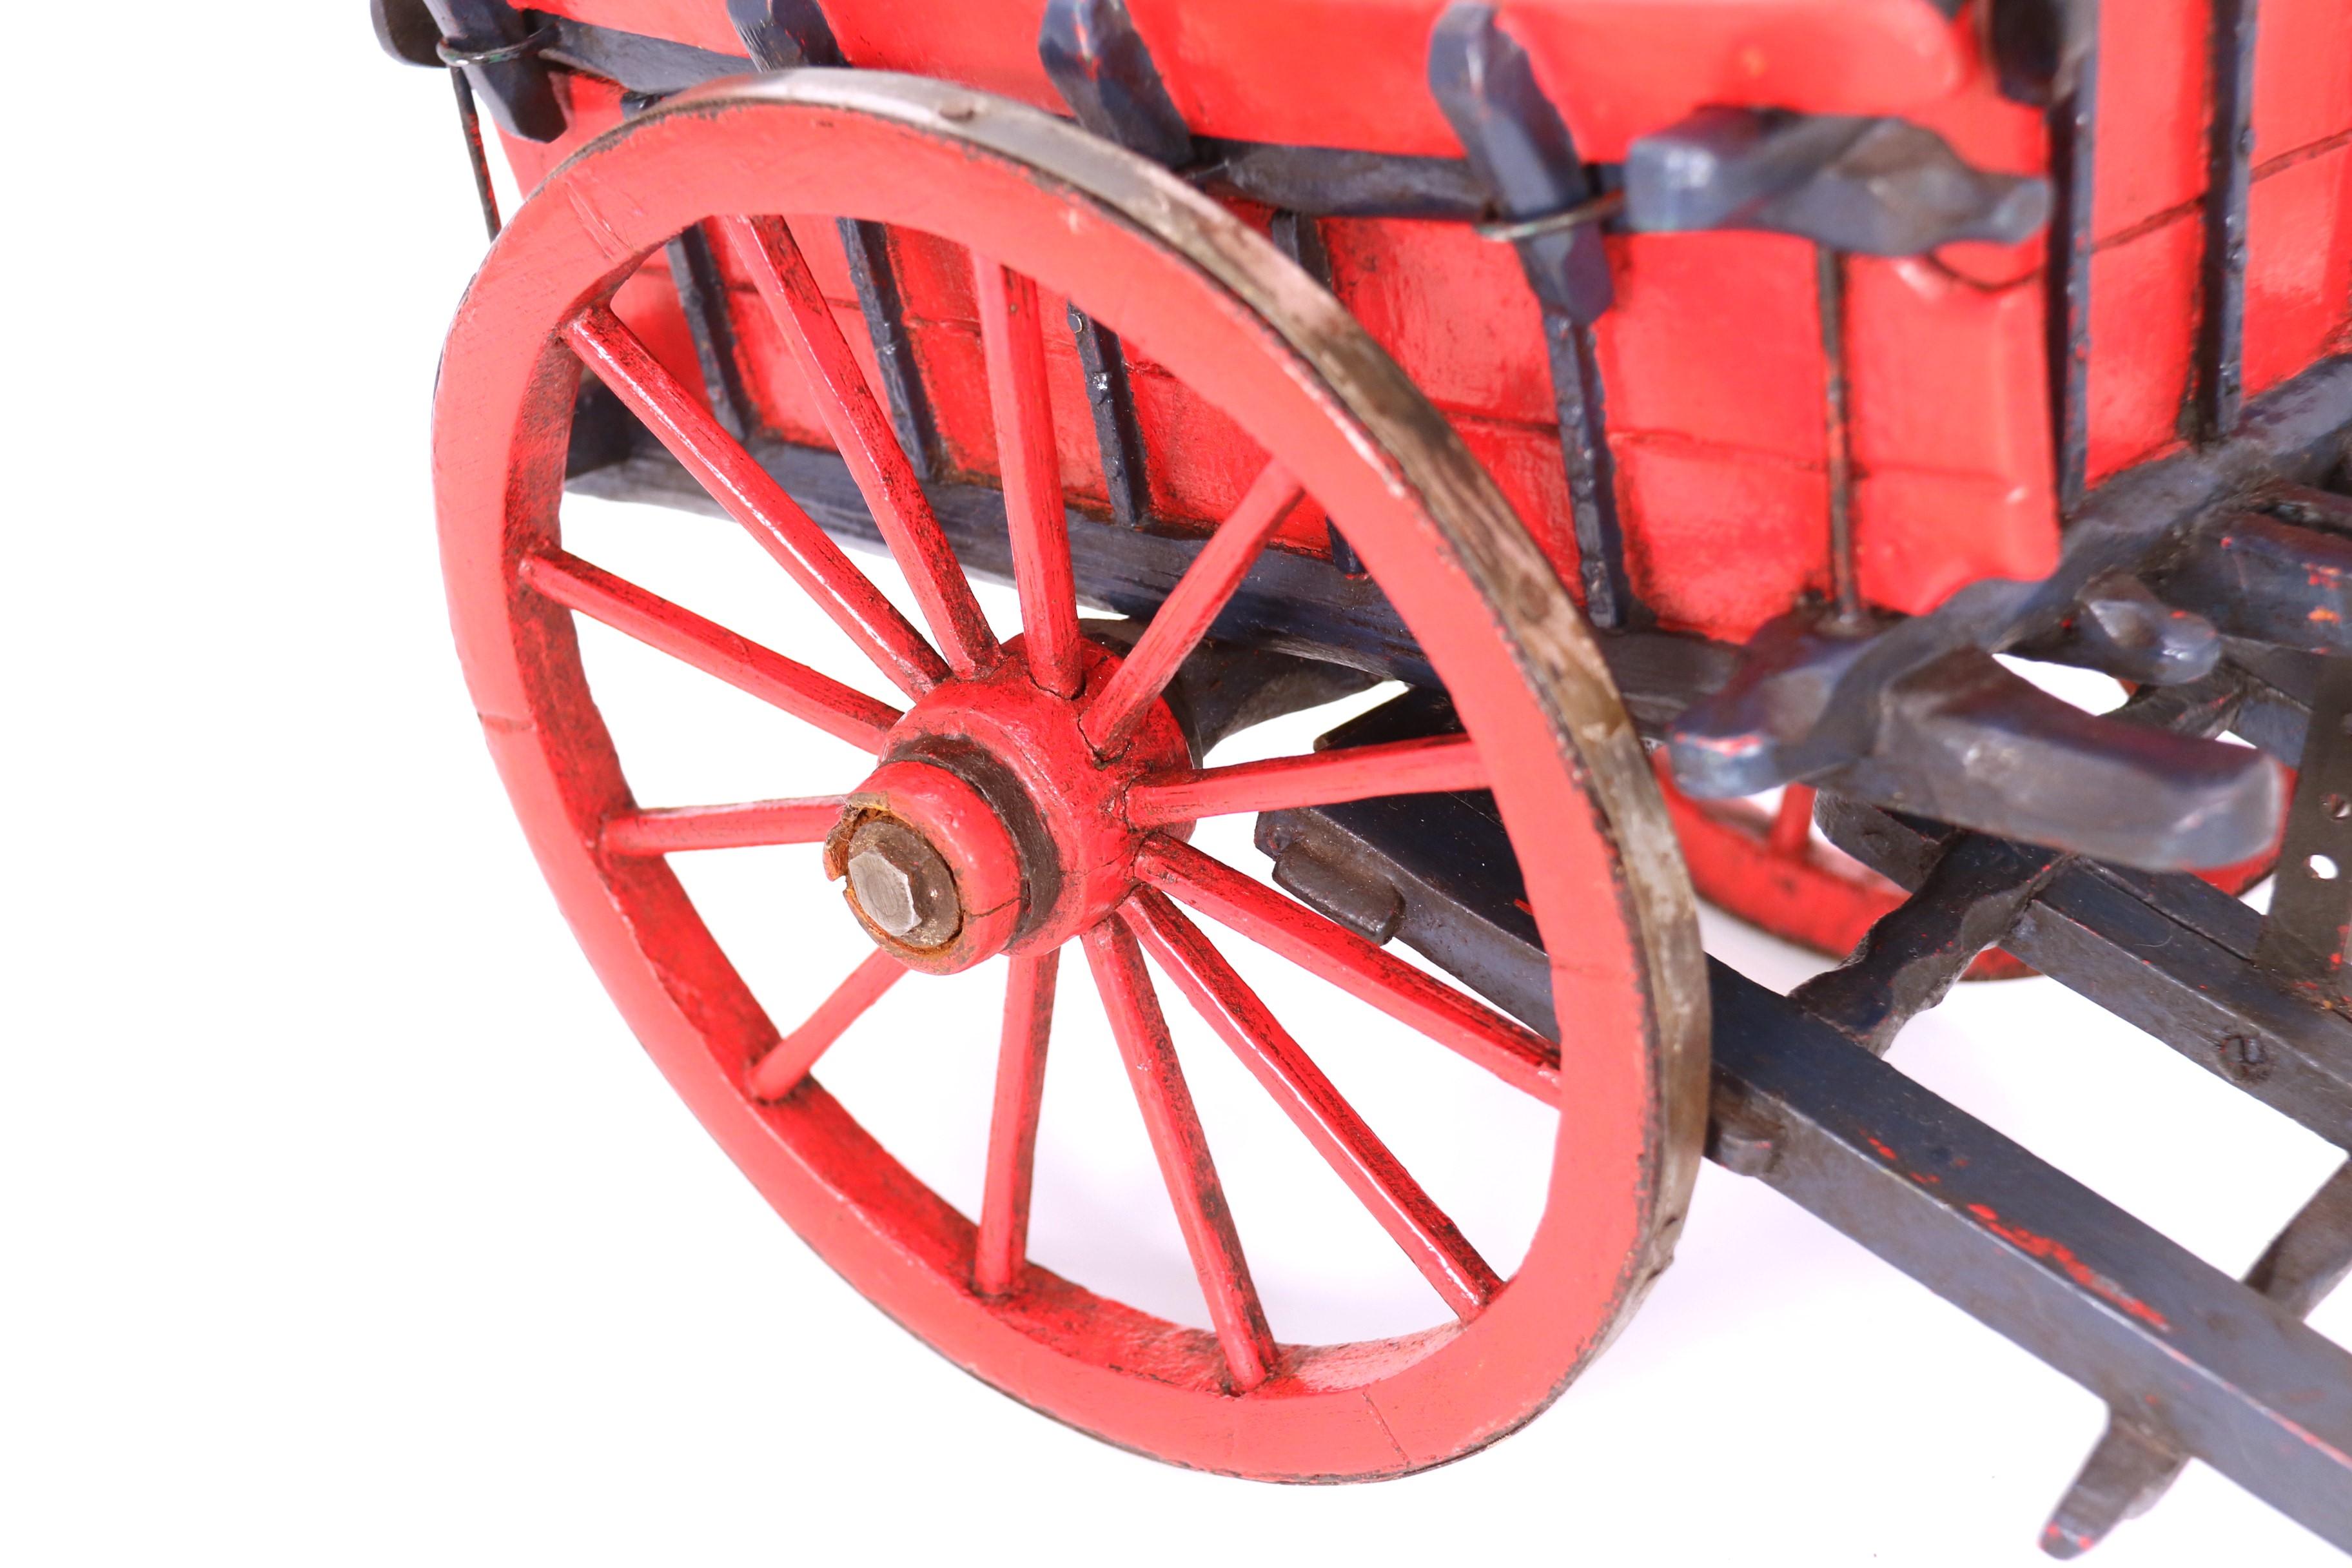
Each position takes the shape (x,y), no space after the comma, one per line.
(1035,791)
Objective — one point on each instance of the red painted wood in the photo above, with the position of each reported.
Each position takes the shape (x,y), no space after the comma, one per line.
(1003,1245)
(674,829)
(2154,71)
(2143,313)
(1183,620)
(1012,332)
(1320,778)
(1512,1052)
(765,249)
(819,699)
(2299,256)
(1413,1220)
(2145,295)
(778,1073)
(1182,1150)
(1618,66)
(1710,349)
(1792,821)
(1941,502)
(1713,365)
(2154,60)
(780,395)
(2302,93)
(735,479)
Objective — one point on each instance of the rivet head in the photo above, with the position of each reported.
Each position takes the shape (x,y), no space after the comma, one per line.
(901,885)
(2244,1059)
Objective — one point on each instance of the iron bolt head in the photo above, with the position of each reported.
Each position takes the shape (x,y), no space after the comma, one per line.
(900,884)
(2243,1059)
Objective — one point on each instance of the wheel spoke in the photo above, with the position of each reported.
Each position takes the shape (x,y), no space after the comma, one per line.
(1183,619)
(819,699)
(752,498)
(1318,778)
(1434,1243)
(1793,825)
(1512,1052)
(1014,342)
(778,1073)
(1003,1243)
(861,430)
(750,824)
(1183,1152)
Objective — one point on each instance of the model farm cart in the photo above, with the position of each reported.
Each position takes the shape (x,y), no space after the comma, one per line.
(1683,400)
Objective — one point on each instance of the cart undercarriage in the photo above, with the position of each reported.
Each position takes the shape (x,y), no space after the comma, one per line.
(2212,580)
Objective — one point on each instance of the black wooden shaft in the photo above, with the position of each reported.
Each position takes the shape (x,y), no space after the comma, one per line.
(2135,1318)
(2171,954)
(2303,936)
(2221,324)
(2134,1462)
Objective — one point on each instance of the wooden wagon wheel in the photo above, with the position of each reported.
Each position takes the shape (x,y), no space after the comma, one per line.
(1037,792)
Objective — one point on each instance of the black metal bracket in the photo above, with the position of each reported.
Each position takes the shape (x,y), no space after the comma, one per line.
(2259,574)
(2229,181)
(406,31)
(1869,716)
(1520,150)
(1972,898)
(782,34)
(1118,431)
(1333,182)
(1853,184)
(2310,920)
(2074,146)
(786,35)
(492,44)
(2040,48)
(1911,958)
(2168,954)
(1102,67)
(702,299)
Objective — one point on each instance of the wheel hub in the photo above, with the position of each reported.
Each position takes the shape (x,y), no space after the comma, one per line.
(991,826)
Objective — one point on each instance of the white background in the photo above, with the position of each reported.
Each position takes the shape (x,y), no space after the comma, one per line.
(345,1223)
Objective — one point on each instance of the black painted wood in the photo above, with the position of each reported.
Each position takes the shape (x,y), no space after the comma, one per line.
(2221,326)
(2136,1319)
